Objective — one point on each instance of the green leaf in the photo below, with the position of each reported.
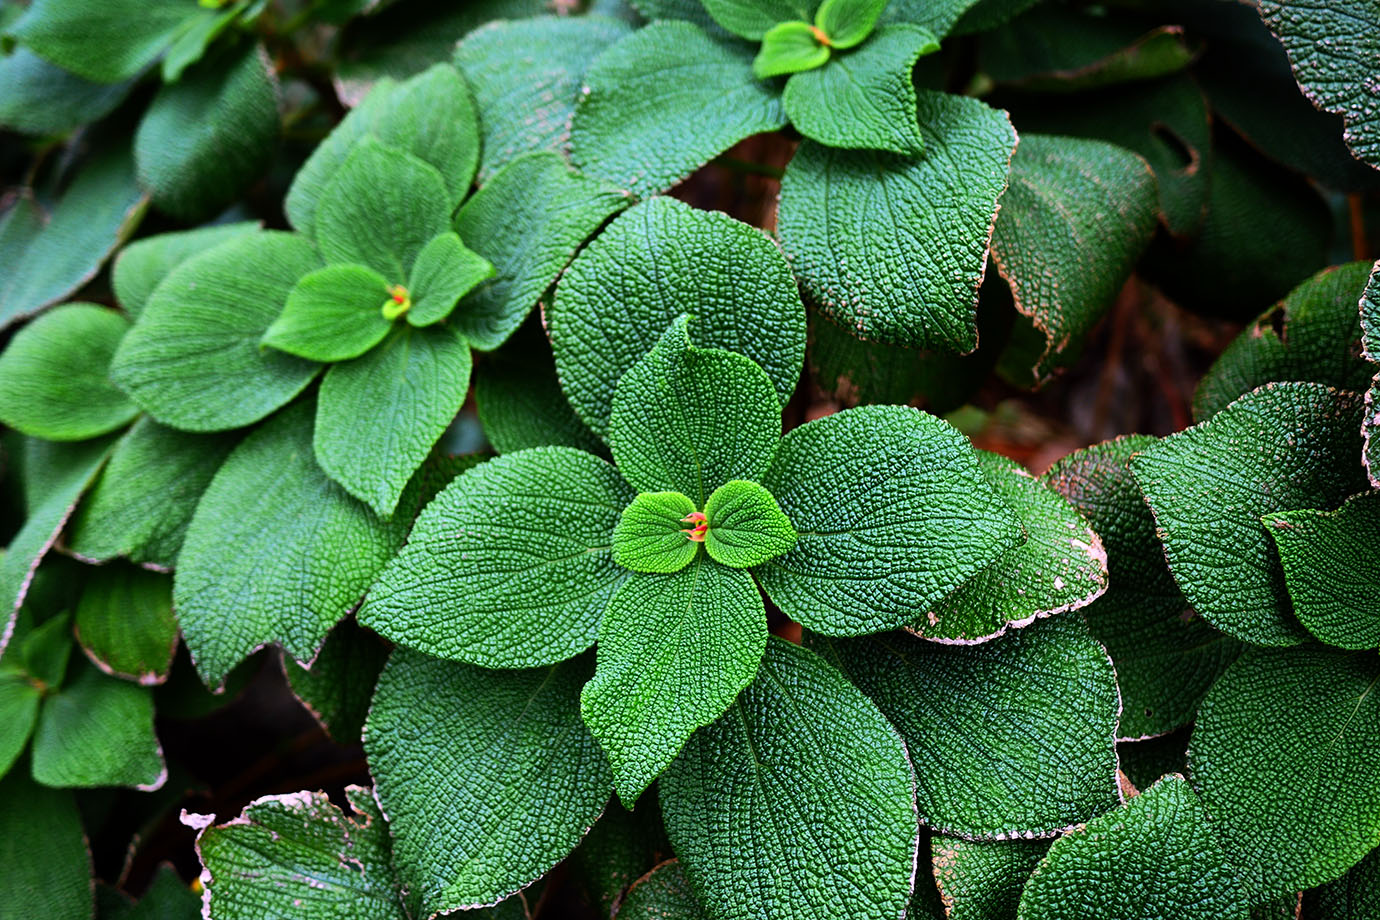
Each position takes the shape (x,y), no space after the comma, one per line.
(1370,350)
(674,651)
(664,892)
(650,265)
(872,245)
(1331,569)
(42,98)
(190,45)
(338,685)
(529,220)
(1356,894)
(1280,447)
(982,880)
(704,96)
(143,264)
(753,19)
(382,206)
(47,864)
(690,419)
(1166,657)
(1286,741)
(789,47)
(1010,738)
(98,731)
(653,533)
(746,525)
(510,566)
(53,375)
(205,138)
(938,16)
(430,116)
(409,389)
(167,897)
(865,99)
(1310,335)
(1156,856)
(526,76)
(299,855)
(276,552)
(144,499)
(1061,566)
(444,272)
(46,649)
(125,623)
(893,515)
(620,849)
(523,779)
(193,359)
(754,810)
(106,40)
(848,22)
(19,700)
(1064,193)
(333,314)
(1143,761)
(521,405)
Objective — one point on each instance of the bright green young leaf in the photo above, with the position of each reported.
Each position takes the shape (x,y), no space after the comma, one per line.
(526,76)
(654,533)
(1166,657)
(1010,738)
(144,263)
(893,515)
(125,622)
(402,394)
(1061,566)
(1155,856)
(664,101)
(445,271)
(43,849)
(690,419)
(674,651)
(510,566)
(106,40)
(1065,192)
(653,263)
(665,893)
(523,778)
(521,405)
(756,810)
(54,380)
(142,502)
(42,98)
(1283,755)
(19,699)
(1356,894)
(333,314)
(1310,335)
(787,48)
(529,220)
(982,879)
(193,360)
(430,116)
(848,22)
(98,731)
(746,525)
(894,247)
(864,99)
(276,552)
(753,19)
(1332,569)
(382,206)
(1280,447)
(205,138)
(336,689)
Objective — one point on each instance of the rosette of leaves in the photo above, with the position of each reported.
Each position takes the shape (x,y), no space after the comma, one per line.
(848,524)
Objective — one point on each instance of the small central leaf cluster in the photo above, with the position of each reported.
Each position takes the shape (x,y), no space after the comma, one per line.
(795,46)
(740,526)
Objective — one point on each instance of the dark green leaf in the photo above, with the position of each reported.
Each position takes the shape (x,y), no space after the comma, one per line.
(333,314)
(19,699)
(665,893)
(106,40)
(521,405)
(746,525)
(98,731)
(1356,894)
(622,847)
(142,265)
(42,98)
(125,623)
(46,649)
(444,272)
(653,533)
(789,47)
(982,879)
(42,847)
(339,683)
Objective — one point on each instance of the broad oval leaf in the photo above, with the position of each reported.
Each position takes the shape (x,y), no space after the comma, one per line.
(653,533)
(752,19)
(332,314)
(125,623)
(47,861)
(107,40)
(445,271)
(143,264)
(746,526)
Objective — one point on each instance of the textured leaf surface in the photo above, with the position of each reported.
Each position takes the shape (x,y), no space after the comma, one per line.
(1061,566)
(521,405)
(276,552)
(42,98)
(1285,741)
(336,689)
(528,221)
(892,512)
(1155,856)
(125,622)
(664,893)
(787,48)
(1060,50)
(753,806)
(19,700)
(655,262)
(1166,657)
(1356,894)
(1279,447)
(526,74)
(664,101)
(98,731)
(475,581)
(1010,738)
(400,397)
(1370,350)
(54,380)
(674,651)
(523,778)
(894,247)
(863,99)
(332,314)
(751,19)
(143,264)
(105,40)
(653,533)
(982,880)
(621,848)
(746,525)
(193,359)
(47,866)
(444,272)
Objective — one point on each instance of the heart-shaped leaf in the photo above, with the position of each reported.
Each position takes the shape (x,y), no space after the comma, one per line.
(746,526)
(653,533)
(848,22)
